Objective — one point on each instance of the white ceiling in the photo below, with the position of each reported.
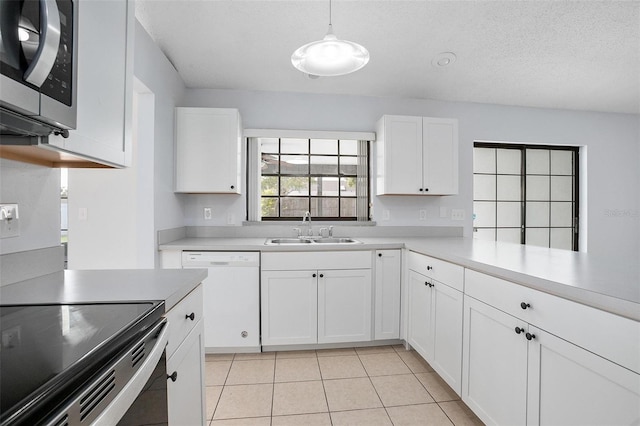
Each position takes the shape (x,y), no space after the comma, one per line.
(582,55)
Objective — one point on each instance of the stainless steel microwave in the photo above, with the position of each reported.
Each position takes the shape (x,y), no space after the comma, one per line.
(38,57)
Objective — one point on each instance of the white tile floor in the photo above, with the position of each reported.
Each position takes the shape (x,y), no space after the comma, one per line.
(383,385)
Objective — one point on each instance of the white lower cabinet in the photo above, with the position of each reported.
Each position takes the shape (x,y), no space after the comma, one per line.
(387,283)
(435,326)
(494,365)
(185,361)
(515,372)
(317,304)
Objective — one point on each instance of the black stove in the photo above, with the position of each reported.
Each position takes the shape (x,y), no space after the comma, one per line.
(49,351)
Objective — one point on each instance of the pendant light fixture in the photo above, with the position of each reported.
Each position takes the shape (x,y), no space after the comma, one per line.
(330,56)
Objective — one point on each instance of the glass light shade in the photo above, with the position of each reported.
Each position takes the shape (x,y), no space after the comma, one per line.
(330,57)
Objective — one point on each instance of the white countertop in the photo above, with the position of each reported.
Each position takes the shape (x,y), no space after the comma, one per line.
(601,283)
(84,286)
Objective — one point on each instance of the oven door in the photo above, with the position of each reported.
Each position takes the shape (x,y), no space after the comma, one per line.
(37,59)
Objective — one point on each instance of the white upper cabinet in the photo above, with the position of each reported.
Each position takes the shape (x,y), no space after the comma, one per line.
(417,155)
(104,84)
(208,150)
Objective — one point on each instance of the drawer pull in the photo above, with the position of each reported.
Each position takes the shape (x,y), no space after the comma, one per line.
(525,305)
(379,254)
(173,376)
(321,275)
(530,336)
(314,275)
(191,316)
(519,330)
(244,334)
(429,268)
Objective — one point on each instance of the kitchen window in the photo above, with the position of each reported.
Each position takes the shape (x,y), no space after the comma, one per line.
(288,176)
(526,194)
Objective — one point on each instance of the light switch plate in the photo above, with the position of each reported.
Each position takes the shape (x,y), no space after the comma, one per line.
(457,214)
(9,221)
(422,214)
(207,213)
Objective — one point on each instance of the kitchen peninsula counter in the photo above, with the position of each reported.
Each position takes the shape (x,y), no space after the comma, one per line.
(101,286)
(601,283)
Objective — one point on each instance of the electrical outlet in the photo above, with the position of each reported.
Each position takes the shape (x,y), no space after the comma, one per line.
(386,215)
(423,214)
(207,213)
(82,214)
(9,221)
(457,214)
(231,219)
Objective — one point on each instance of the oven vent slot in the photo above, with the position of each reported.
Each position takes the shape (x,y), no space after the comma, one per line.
(63,421)
(138,353)
(96,394)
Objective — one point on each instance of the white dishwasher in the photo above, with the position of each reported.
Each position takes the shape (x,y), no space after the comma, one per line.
(231,299)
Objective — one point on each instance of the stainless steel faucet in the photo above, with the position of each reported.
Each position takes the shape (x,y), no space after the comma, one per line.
(307,215)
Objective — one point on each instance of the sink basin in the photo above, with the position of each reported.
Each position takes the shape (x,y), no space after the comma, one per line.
(309,240)
(336,241)
(287,241)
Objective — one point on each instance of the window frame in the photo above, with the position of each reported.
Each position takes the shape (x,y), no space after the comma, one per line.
(523,185)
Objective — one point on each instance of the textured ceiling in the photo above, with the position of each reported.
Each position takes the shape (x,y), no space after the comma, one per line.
(582,55)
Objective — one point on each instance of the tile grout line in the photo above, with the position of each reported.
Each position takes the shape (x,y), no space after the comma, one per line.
(374,388)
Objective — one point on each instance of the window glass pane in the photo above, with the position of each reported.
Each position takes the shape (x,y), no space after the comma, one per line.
(293,206)
(294,164)
(348,207)
(538,188)
(484,187)
(294,146)
(269,145)
(269,185)
(561,162)
(508,214)
(562,238)
(484,160)
(538,213)
(348,186)
(485,234)
(508,235)
(537,237)
(349,166)
(538,161)
(324,146)
(321,165)
(561,214)
(348,147)
(509,188)
(325,186)
(294,185)
(269,164)
(509,161)
(324,207)
(485,214)
(561,188)
(269,207)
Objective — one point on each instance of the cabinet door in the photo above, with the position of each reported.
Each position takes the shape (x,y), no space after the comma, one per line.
(440,156)
(569,385)
(104,84)
(289,302)
(185,395)
(446,325)
(400,155)
(387,294)
(494,365)
(420,305)
(344,306)
(208,150)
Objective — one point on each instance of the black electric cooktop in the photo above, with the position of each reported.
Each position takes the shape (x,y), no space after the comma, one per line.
(47,351)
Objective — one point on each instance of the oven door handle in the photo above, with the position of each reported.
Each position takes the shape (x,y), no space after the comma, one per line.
(47,51)
(121,403)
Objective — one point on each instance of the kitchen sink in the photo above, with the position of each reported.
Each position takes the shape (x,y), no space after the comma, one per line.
(310,240)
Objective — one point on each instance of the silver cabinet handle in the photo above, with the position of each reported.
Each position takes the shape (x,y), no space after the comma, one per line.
(47,52)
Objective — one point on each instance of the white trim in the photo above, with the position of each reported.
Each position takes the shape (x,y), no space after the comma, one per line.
(308,134)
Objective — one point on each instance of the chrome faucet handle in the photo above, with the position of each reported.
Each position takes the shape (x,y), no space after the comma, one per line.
(320,232)
(298,232)
(331,231)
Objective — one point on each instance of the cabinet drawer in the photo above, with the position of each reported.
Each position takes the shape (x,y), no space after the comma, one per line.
(179,317)
(445,272)
(611,336)
(296,261)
